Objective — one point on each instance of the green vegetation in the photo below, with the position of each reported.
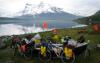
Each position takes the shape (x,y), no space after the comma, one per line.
(86,20)
(6,55)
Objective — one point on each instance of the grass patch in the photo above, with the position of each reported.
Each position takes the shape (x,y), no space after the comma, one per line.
(6,54)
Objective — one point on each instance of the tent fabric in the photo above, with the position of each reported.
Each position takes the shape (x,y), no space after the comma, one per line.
(45,25)
(37,36)
(96,27)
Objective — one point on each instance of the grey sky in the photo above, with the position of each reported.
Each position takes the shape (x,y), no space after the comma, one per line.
(78,7)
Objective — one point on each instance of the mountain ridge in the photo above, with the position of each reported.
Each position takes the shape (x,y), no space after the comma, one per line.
(90,19)
(42,12)
(45,16)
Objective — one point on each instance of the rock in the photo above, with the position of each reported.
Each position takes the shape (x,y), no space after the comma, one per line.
(2,44)
(98,45)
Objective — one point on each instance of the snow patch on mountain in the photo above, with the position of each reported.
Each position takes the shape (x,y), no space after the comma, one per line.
(34,9)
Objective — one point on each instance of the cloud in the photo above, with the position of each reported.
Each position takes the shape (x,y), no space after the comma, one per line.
(78,7)
(9,7)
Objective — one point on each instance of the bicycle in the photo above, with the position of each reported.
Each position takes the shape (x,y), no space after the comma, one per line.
(54,50)
(20,46)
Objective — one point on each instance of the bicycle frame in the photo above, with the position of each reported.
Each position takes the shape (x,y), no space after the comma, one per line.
(56,49)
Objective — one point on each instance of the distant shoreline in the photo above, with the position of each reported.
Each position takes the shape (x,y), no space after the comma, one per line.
(73,27)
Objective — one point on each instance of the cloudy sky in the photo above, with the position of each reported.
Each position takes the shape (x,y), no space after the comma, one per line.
(78,7)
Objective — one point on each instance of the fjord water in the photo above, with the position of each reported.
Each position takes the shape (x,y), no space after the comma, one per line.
(10,26)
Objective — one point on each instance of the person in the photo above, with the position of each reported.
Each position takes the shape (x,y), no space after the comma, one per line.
(81,39)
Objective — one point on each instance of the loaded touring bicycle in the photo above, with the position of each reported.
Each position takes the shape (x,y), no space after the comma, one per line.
(49,51)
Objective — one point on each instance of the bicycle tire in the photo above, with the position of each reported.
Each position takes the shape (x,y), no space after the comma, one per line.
(65,59)
(45,59)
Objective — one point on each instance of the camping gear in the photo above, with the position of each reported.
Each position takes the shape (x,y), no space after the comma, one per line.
(45,25)
(68,52)
(37,36)
(56,38)
(96,27)
(43,50)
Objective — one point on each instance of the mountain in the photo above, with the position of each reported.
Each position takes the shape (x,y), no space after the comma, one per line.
(91,19)
(50,16)
(45,12)
(54,19)
(32,14)
(56,14)
(97,13)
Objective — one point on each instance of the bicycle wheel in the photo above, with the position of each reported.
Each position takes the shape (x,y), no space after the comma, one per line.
(65,59)
(46,58)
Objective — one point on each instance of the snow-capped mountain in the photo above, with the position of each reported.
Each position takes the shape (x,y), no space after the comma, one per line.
(43,11)
(40,8)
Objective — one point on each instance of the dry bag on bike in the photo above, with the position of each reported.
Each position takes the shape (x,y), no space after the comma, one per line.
(68,52)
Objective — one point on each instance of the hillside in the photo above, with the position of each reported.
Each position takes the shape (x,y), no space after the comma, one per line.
(91,19)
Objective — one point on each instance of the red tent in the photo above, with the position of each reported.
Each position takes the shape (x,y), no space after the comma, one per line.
(96,27)
(45,25)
